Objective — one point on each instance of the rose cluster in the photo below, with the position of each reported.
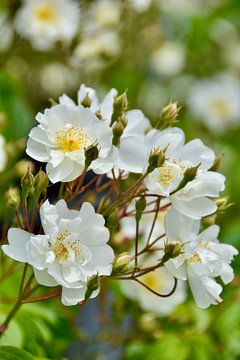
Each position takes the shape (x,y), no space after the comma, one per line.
(168,178)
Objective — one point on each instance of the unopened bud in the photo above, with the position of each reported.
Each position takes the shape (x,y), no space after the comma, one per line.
(117,129)
(120,106)
(112,222)
(12,198)
(86,102)
(171,250)
(91,154)
(22,167)
(188,176)
(40,184)
(93,284)
(120,263)
(169,115)
(27,182)
(156,159)
(140,207)
(217,163)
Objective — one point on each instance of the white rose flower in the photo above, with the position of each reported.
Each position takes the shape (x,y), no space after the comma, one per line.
(60,139)
(202,257)
(192,200)
(216,103)
(160,281)
(3,156)
(72,249)
(44,22)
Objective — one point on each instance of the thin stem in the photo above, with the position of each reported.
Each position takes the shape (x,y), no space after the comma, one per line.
(154,221)
(157,293)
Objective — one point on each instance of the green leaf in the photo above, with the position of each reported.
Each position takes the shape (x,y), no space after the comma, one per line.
(14,353)
(13,335)
(19,118)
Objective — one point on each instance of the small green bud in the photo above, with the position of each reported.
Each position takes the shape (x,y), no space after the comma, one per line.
(222,204)
(188,176)
(171,251)
(93,284)
(12,198)
(27,182)
(120,263)
(91,154)
(86,102)
(120,106)
(156,159)
(117,129)
(140,206)
(22,167)
(40,184)
(112,222)
(169,115)
(217,163)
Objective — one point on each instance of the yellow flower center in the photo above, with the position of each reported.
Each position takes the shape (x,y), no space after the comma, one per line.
(166,174)
(72,139)
(59,248)
(221,108)
(46,13)
(195,258)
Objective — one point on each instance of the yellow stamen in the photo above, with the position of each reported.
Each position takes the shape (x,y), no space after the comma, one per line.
(72,139)
(46,13)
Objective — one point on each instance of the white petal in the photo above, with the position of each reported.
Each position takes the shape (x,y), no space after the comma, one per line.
(60,172)
(73,296)
(37,151)
(43,278)
(18,240)
(196,208)
(197,153)
(133,154)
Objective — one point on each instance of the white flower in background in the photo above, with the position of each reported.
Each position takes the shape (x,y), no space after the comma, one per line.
(6,32)
(140,5)
(72,249)
(60,139)
(44,22)
(216,103)
(186,7)
(55,78)
(3,156)
(160,281)
(102,14)
(202,257)
(169,59)
(94,50)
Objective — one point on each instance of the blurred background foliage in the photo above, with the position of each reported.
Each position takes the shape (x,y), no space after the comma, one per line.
(159,51)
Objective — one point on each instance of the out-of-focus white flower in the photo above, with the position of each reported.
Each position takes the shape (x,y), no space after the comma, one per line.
(94,50)
(60,139)
(140,5)
(102,14)
(216,102)
(169,59)
(44,22)
(6,33)
(56,78)
(202,257)
(3,156)
(72,249)
(187,7)
(160,281)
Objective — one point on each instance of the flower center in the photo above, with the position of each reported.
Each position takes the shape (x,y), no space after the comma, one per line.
(59,247)
(167,174)
(195,258)
(46,13)
(72,139)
